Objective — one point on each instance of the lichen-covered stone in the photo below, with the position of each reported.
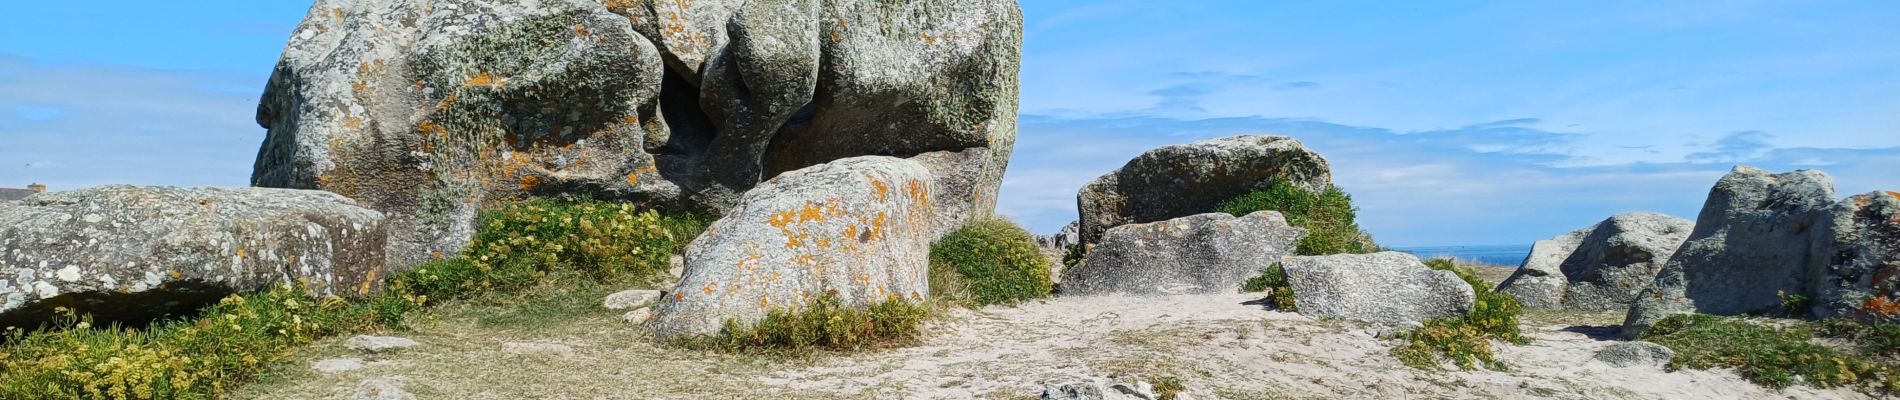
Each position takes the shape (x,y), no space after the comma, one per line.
(1635,353)
(1857,260)
(857,228)
(124,253)
(1600,268)
(1389,288)
(428,110)
(1200,254)
(1752,244)
(1181,180)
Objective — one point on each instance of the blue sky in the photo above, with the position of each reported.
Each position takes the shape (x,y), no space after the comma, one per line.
(1450,122)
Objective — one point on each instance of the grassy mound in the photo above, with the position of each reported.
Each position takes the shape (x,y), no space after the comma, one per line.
(1779,356)
(1466,342)
(1329,218)
(203,357)
(824,324)
(989,261)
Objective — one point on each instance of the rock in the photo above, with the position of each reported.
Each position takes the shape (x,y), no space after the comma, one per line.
(630,299)
(638,316)
(378,344)
(335,365)
(1857,259)
(1099,390)
(1636,353)
(1390,288)
(1201,254)
(1061,240)
(1600,268)
(1181,180)
(134,254)
(858,228)
(381,389)
(1751,244)
(428,110)
(537,349)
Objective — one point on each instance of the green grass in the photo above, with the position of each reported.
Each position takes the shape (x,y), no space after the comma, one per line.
(1781,356)
(989,261)
(1167,387)
(824,324)
(1273,281)
(582,244)
(1466,342)
(1329,217)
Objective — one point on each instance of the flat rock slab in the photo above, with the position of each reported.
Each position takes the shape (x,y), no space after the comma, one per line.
(1631,354)
(1200,254)
(630,299)
(1384,288)
(378,344)
(335,365)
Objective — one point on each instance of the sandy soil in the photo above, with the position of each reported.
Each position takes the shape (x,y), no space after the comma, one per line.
(1215,345)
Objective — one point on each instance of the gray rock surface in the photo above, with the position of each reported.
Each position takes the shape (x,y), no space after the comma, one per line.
(1752,241)
(427,110)
(1600,268)
(1098,389)
(638,316)
(859,228)
(124,253)
(381,389)
(1390,288)
(1061,240)
(1200,254)
(335,365)
(378,344)
(1857,259)
(1181,180)
(630,299)
(1635,353)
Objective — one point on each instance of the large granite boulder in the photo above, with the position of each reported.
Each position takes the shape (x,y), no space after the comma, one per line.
(1751,245)
(1858,258)
(1600,268)
(1181,180)
(1200,254)
(427,110)
(1389,288)
(124,253)
(857,228)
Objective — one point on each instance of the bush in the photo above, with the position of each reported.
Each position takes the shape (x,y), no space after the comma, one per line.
(989,261)
(519,244)
(1466,342)
(1273,281)
(1767,355)
(1329,218)
(825,323)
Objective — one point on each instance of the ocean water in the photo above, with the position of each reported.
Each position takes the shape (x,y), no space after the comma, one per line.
(1509,256)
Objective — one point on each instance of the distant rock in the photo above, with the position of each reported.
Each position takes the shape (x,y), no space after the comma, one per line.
(631,299)
(336,365)
(1751,244)
(428,110)
(1200,254)
(378,344)
(859,228)
(381,389)
(1182,180)
(125,253)
(1390,288)
(1857,259)
(1061,240)
(1600,268)
(1635,353)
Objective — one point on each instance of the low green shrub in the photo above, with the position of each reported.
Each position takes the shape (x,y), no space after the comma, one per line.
(519,244)
(1877,337)
(1329,217)
(1167,387)
(989,261)
(1273,281)
(1771,356)
(826,323)
(1466,342)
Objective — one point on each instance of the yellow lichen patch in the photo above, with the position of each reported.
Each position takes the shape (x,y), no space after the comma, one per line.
(529,182)
(929,40)
(482,79)
(710,289)
(369,279)
(240,253)
(619,5)
(764,303)
(580,30)
(631,119)
(1896,195)
(633,179)
(879,190)
(781,219)
(810,213)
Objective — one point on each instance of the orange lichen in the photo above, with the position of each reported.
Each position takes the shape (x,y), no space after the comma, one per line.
(781,219)
(1896,195)
(482,79)
(709,289)
(880,191)
(529,182)
(369,279)
(438,255)
(240,253)
(1881,307)
(764,303)
(580,30)
(919,193)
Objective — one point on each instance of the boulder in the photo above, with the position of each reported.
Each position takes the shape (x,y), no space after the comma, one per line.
(134,254)
(1200,254)
(857,228)
(1061,240)
(1389,288)
(1181,180)
(1600,268)
(1099,389)
(428,110)
(1635,353)
(1751,244)
(1857,261)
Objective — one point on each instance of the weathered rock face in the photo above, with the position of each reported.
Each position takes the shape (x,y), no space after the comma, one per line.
(858,228)
(1181,180)
(1635,353)
(124,253)
(1385,288)
(427,110)
(1201,254)
(1061,240)
(1857,261)
(1600,268)
(1751,242)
